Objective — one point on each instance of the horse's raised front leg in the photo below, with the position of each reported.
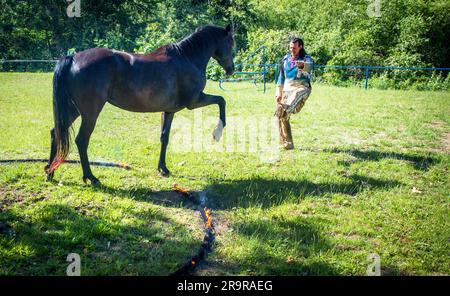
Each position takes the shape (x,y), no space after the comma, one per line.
(205,100)
(166,123)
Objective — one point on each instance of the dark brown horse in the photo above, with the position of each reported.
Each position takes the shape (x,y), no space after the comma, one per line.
(166,80)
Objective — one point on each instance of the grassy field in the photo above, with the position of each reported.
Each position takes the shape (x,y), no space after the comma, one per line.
(372,176)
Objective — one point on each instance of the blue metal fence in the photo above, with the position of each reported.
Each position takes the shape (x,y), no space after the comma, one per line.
(265,68)
(256,74)
(368,68)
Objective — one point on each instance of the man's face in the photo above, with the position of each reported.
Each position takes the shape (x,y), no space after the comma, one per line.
(294,49)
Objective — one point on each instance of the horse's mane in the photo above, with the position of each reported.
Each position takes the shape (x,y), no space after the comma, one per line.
(201,38)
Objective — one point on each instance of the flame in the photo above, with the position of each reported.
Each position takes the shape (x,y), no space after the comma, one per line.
(290,259)
(124,165)
(193,262)
(177,188)
(208,223)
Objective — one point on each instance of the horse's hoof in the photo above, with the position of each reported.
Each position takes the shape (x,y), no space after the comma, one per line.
(50,176)
(164,171)
(94,180)
(217,133)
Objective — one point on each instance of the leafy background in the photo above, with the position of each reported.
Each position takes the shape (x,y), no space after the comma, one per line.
(336,32)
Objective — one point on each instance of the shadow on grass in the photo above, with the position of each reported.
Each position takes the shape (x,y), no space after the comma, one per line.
(419,162)
(269,192)
(296,246)
(252,192)
(301,242)
(245,193)
(39,244)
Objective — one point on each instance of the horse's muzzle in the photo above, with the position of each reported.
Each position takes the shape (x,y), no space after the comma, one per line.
(229,70)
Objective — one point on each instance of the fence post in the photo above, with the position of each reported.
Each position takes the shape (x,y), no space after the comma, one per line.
(367,78)
(264,67)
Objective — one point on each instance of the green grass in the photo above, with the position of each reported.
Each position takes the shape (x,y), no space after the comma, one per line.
(371,177)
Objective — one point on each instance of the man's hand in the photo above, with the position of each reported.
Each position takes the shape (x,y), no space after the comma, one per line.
(279,93)
(300,64)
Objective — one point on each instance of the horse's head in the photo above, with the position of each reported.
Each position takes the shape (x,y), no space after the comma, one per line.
(224,51)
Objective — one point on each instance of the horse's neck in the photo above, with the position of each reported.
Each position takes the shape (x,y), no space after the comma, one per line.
(198,56)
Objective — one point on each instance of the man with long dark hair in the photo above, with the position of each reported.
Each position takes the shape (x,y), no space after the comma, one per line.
(293,88)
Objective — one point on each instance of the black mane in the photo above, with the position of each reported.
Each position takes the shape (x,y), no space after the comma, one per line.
(201,38)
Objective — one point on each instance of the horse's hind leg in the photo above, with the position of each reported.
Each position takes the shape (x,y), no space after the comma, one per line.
(90,110)
(166,123)
(73,115)
(82,140)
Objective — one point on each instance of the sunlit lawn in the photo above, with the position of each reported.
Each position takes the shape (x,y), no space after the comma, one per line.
(371,177)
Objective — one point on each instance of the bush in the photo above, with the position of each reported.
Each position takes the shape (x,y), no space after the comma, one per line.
(214,71)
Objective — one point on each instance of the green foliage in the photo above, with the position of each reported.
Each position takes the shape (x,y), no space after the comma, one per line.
(173,20)
(214,71)
(153,38)
(275,41)
(430,82)
(338,32)
(410,42)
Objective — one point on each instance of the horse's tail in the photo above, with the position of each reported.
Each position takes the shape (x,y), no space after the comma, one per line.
(62,105)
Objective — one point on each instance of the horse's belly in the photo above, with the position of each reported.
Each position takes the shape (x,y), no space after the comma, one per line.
(152,104)
(150,93)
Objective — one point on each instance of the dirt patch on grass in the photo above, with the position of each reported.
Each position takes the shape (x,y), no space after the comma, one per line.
(221,224)
(172,198)
(437,124)
(8,197)
(446,143)
(440,126)
(215,267)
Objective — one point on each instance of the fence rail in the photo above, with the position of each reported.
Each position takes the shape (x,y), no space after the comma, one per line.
(368,68)
(365,68)
(265,68)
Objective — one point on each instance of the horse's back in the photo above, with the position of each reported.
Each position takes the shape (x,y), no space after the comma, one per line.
(91,56)
(134,82)
(145,83)
(92,72)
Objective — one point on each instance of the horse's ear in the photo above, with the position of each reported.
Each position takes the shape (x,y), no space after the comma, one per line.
(229,29)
